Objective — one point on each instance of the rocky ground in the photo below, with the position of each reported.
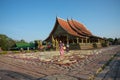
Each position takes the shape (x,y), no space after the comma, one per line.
(111,71)
(75,65)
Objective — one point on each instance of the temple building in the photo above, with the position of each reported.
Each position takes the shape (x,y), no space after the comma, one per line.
(73,33)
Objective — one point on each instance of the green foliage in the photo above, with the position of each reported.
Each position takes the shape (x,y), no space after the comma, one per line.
(23,41)
(104,44)
(37,44)
(16,52)
(74,46)
(3,52)
(36,50)
(116,41)
(5,42)
(110,39)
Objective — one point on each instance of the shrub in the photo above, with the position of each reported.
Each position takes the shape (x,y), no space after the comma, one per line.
(94,45)
(104,44)
(3,52)
(74,46)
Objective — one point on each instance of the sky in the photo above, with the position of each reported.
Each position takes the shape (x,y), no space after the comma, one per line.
(34,19)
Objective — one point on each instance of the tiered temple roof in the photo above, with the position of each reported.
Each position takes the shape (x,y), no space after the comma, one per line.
(72,27)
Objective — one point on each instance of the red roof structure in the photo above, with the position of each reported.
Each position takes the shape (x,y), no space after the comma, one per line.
(72,27)
(64,24)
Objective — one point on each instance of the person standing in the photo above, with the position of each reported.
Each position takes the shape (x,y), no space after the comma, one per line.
(67,47)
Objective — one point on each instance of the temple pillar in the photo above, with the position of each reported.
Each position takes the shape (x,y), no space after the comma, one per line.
(67,40)
(86,39)
(56,44)
(77,40)
(89,40)
(82,40)
(98,40)
(53,41)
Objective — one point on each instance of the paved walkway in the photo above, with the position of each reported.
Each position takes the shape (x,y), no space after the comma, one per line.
(112,71)
(75,65)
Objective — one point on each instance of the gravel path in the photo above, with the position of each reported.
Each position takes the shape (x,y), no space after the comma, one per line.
(75,65)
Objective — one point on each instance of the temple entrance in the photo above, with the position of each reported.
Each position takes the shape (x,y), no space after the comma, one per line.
(62,38)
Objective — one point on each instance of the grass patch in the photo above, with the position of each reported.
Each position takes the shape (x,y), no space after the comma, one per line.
(16,52)
(3,52)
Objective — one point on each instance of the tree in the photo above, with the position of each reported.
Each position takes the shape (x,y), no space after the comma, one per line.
(111,40)
(115,41)
(32,45)
(38,43)
(119,41)
(6,43)
(23,41)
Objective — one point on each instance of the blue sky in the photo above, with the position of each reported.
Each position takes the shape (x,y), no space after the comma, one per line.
(34,19)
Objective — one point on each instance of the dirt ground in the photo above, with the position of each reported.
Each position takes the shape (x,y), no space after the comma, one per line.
(75,65)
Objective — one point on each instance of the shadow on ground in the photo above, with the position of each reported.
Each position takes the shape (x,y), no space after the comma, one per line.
(11,75)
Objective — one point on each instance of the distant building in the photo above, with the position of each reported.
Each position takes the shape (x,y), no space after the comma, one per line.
(74,33)
(22,45)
